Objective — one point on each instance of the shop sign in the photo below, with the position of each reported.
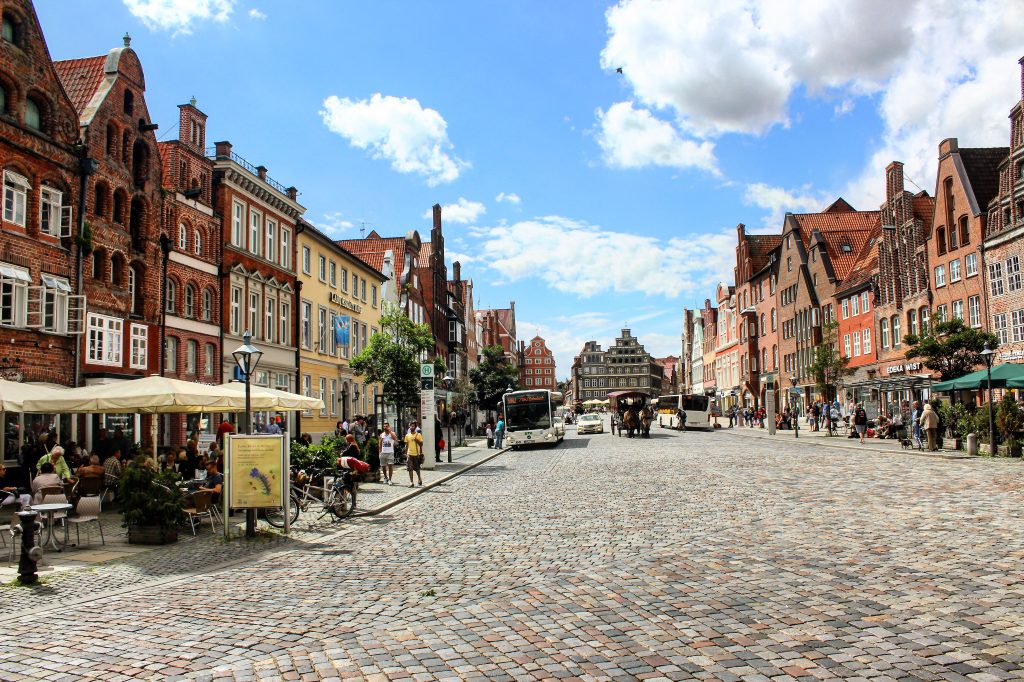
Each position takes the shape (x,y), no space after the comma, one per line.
(902,369)
(345,303)
(1012,355)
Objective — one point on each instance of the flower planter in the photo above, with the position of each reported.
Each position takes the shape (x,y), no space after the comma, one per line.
(151,535)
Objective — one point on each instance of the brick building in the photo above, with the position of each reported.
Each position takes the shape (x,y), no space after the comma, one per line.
(190,237)
(123,210)
(709,329)
(41,307)
(399,259)
(755,276)
(433,274)
(588,373)
(457,331)
(497,327)
(538,367)
(854,301)
(686,353)
(670,377)
(258,224)
(1004,246)
(727,348)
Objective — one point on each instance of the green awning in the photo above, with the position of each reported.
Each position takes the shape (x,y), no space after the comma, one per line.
(1006,375)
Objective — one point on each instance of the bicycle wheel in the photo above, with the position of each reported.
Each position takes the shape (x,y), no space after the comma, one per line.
(343,503)
(275,517)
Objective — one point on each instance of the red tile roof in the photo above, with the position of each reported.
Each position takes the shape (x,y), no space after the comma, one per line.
(849,229)
(982,167)
(865,266)
(371,251)
(760,247)
(81,78)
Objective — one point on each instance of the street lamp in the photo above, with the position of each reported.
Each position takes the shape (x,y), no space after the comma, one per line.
(987,355)
(449,382)
(796,417)
(247,356)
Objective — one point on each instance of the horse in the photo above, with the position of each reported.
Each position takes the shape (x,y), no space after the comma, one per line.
(631,422)
(645,422)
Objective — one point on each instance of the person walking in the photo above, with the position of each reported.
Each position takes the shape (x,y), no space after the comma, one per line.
(915,417)
(929,421)
(815,415)
(860,421)
(490,436)
(414,452)
(499,432)
(386,452)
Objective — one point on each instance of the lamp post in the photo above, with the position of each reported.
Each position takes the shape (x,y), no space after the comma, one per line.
(987,354)
(449,381)
(796,417)
(247,356)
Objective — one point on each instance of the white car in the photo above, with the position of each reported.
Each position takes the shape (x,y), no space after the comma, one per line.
(590,423)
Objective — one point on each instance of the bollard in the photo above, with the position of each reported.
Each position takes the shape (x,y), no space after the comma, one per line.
(30,552)
(972,445)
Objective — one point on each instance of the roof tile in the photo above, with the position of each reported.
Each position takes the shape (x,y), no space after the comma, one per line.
(982,167)
(81,79)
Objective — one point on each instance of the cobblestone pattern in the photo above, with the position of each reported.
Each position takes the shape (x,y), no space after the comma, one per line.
(694,556)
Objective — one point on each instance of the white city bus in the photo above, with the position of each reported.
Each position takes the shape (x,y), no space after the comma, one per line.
(696,407)
(531,418)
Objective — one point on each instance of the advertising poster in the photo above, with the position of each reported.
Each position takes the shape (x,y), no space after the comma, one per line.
(255,471)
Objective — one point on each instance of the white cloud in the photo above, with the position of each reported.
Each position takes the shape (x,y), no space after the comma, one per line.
(510,197)
(583,259)
(461,212)
(334,225)
(634,138)
(398,129)
(179,15)
(257,14)
(780,201)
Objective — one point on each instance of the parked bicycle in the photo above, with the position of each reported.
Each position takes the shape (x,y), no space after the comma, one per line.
(337,498)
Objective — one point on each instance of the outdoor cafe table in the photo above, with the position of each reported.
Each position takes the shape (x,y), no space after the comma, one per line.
(49,510)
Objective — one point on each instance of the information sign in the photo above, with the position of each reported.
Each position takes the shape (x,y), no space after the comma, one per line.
(256,471)
(426,370)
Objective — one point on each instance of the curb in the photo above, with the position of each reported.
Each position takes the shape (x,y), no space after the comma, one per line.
(840,446)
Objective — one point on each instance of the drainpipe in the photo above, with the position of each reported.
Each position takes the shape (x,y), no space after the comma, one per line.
(87,166)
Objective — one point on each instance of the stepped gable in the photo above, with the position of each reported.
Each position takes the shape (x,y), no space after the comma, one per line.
(982,167)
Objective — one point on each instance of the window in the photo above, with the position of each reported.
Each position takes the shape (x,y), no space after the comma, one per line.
(344,279)
(54,220)
(1017,325)
(207,305)
(940,235)
(182,237)
(1013,273)
(912,322)
(16,189)
(855,305)
(924,319)
(13,296)
(254,313)
(940,275)
(209,358)
(883,334)
(190,301)
(305,259)
(846,308)
(958,310)
(971,264)
(238,225)
(33,114)
(952,235)
(271,252)
(284,336)
(995,278)
(334,397)
(255,231)
(197,243)
(270,321)
(129,102)
(789,264)
(773,319)
(355,284)
(856,344)
(362,290)
(307,313)
(171,295)
(286,248)
(236,310)
(323,269)
(965,232)
(51,311)
(846,345)
(864,307)
(373,295)
(171,354)
(333,274)
(974,311)
(104,340)
(866,334)
(191,350)
(942,313)
(140,344)
(1002,332)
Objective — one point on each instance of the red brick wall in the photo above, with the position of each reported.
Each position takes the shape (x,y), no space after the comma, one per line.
(539,356)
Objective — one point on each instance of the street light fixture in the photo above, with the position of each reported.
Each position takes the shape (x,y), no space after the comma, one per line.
(247,356)
(987,355)
(793,401)
(449,382)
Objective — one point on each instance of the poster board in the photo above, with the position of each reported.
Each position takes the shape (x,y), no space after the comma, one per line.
(256,472)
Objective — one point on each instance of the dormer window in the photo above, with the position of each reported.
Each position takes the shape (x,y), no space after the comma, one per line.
(846,248)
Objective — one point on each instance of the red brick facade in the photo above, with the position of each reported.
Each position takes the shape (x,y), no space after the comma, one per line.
(756,269)
(538,368)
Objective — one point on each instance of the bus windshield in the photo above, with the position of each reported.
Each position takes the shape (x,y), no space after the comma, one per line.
(668,404)
(695,403)
(527,411)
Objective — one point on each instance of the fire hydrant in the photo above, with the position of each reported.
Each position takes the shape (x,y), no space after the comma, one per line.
(31,553)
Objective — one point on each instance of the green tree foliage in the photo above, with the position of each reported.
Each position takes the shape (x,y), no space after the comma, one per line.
(828,364)
(149,497)
(1009,419)
(950,347)
(391,359)
(492,377)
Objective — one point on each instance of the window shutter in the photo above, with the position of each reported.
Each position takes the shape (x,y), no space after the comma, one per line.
(76,315)
(34,307)
(66,215)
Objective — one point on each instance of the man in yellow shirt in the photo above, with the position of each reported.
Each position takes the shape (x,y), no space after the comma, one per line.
(414,451)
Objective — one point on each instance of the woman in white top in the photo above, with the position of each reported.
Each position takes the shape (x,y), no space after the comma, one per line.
(386,450)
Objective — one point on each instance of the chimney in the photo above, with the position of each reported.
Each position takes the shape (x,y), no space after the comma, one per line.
(457,271)
(293,193)
(223,149)
(893,180)
(1021,62)
(437,217)
(261,172)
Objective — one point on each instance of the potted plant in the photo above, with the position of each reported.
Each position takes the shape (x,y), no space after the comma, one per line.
(1009,421)
(151,504)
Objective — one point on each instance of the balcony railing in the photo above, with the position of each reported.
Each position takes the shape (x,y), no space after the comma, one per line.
(211,153)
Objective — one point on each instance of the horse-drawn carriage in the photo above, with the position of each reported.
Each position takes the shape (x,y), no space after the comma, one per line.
(631,412)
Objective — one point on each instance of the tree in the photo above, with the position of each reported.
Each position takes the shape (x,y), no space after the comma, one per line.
(949,347)
(827,365)
(492,377)
(392,357)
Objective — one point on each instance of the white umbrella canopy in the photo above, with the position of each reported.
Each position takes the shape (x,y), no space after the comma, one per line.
(263,398)
(149,395)
(14,394)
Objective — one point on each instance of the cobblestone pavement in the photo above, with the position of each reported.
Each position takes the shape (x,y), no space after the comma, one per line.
(694,556)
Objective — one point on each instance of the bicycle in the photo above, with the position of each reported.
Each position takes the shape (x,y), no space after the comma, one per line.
(337,499)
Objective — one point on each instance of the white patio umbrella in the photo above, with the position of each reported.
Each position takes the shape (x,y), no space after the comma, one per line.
(263,398)
(14,394)
(149,395)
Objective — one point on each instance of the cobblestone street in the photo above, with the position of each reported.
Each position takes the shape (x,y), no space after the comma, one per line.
(686,556)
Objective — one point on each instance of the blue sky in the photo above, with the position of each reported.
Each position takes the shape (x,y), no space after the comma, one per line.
(589,197)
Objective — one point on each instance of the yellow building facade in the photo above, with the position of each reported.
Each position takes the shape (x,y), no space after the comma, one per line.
(339,311)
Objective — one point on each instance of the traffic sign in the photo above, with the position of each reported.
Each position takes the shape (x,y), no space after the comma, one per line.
(427,370)
(426,384)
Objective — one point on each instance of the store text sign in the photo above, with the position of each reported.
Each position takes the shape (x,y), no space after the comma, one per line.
(255,471)
(902,369)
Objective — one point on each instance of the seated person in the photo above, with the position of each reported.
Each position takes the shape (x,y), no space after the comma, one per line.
(45,479)
(214,482)
(56,458)
(9,494)
(882,429)
(91,470)
(112,468)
